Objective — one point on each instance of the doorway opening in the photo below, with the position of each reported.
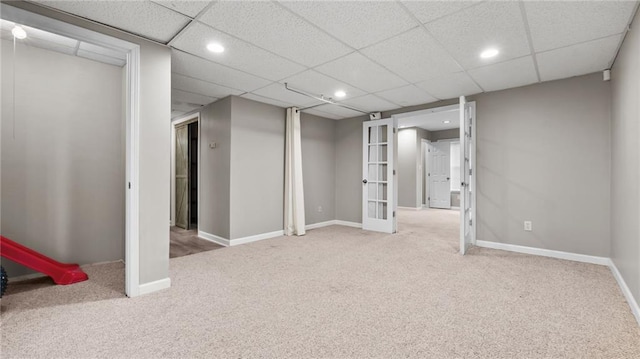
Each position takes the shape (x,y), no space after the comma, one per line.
(108,161)
(185,188)
(428,168)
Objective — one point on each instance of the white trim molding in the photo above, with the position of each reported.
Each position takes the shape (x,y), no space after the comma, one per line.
(257,237)
(348,224)
(320,225)
(213,238)
(154,286)
(545,252)
(411,208)
(633,303)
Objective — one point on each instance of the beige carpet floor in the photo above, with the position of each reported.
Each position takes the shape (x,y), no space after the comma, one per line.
(337,292)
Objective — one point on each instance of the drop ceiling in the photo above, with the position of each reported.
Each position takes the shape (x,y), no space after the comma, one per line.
(383,54)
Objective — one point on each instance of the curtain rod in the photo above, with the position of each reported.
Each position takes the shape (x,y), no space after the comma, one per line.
(321,98)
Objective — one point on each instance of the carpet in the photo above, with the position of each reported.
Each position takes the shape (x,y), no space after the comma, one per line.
(337,292)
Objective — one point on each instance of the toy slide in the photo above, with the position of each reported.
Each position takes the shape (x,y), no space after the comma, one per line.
(61,273)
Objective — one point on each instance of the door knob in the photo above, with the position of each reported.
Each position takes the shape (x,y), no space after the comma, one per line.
(447,178)
(364,181)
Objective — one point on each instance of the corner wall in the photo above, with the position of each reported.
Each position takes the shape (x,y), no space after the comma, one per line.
(625,166)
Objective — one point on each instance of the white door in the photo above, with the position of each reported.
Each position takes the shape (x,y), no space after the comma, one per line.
(440,175)
(378,196)
(467,174)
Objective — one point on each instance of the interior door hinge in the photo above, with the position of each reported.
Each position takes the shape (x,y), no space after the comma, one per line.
(428,174)
(129,185)
(470,171)
(471,222)
(394,172)
(394,214)
(394,130)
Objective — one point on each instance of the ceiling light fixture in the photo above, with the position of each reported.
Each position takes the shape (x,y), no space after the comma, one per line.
(19,33)
(215,48)
(489,53)
(340,93)
(446,121)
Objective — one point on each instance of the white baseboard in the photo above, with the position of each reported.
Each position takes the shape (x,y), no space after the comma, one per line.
(545,252)
(257,237)
(348,224)
(320,225)
(154,286)
(633,303)
(213,238)
(410,208)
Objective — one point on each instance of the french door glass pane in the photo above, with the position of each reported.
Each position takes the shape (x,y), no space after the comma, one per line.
(372,191)
(371,209)
(382,210)
(373,173)
(382,150)
(382,191)
(373,134)
(383,133)
(382,172)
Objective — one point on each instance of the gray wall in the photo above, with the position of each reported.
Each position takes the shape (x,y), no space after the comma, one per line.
(318,167)
(349,170)
(445,134)
(543,154)
(625,166)
(257,167)
(154,134)
(63,173)
(406,167)
(215,168)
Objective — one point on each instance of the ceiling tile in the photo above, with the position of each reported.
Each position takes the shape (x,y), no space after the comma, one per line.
(144,18)
(584,58)
(407,96)
(315,112)
(357,23)
(357,70)
(192,66)
(238,54)
(182,106)
(427,11)
(267,100)
(492,24)
(450,86)
(190,84)
(414,55)
(273,27)
(512,73)
(277,91)
(556,24)
(189,8)
(190,97)
(318,84)
(370,103)
(338,111)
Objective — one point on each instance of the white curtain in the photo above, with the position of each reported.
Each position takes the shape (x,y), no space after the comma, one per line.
(293,190)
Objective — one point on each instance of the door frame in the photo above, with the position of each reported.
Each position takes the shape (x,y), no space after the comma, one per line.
(178,121)
(131,186)
(399,116)
(426,188)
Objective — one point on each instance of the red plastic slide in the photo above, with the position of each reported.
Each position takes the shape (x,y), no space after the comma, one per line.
(61,273)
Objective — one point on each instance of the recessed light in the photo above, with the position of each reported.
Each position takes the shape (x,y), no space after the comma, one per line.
(216,48)
(446,121)
(340,93)
(19,33)
(489,53)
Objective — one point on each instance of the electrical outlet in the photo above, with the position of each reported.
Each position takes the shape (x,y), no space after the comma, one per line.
(528,226)
(320,209)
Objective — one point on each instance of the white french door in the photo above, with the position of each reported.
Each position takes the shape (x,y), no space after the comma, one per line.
(467,174)
(378,171)
(440,175)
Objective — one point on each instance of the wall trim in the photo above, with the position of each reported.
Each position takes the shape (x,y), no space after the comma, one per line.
(320,225)
(348,224)
(410,208)
(633,303)
(545,252)
(213,238)
(255,238)
(154,286)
